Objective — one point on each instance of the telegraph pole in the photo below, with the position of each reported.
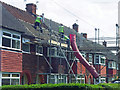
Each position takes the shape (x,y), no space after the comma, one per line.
(95,35)
(117,51)
(50,45)
(98,35)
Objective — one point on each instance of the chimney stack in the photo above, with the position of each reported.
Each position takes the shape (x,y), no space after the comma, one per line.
(31,8)
(75,27)
(105,43)
(85,35)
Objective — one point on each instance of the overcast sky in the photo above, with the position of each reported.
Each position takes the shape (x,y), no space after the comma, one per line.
(102,14)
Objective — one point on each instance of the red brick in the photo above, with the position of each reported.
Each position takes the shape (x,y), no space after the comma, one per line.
(11,61)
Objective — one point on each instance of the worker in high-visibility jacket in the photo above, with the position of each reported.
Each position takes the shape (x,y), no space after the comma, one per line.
(38,22)
(61,30)
(67,39)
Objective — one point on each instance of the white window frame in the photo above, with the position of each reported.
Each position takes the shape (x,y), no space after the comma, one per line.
(25,41)
(71,56)
(83,54)
(57,78)
(113,63)
(56,52)
(90,58)
(102,57)
(95,58)
(102,80)
(78,77)
(41,51)
(52,48)
(99,56)
(10,77)
(11,38)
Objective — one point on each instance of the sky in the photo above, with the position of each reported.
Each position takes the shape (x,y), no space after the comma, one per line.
(88,14)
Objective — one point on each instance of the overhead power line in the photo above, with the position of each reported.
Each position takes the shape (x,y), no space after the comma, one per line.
(73,14)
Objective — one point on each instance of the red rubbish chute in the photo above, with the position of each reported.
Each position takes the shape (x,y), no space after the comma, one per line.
(78,55)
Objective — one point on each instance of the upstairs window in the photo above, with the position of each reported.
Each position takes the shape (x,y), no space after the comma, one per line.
(71,56)
(112,64)
(39,49)
(103,60)
(56,52)
(96,59)
(25,45)
(11,40)
(90,58)
(83,54)
(99,59)
(52,51)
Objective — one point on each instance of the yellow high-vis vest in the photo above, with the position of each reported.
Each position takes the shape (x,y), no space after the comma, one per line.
(61,29)
(38,19)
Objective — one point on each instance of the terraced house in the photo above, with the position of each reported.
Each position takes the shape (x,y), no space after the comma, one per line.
(29,56)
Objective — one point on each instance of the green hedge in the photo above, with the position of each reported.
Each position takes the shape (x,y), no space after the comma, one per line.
(62,85)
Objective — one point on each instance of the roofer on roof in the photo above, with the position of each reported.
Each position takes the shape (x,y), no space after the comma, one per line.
(61,30)
(67,39)
(38,22)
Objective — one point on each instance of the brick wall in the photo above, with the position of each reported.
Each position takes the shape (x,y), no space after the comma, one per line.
(55,62)
(101,69)
(11,61)
(34,64)
(112,72)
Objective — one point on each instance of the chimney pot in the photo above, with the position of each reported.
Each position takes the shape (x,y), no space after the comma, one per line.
(105,43)
(85,35)
(75,27)
(31,8)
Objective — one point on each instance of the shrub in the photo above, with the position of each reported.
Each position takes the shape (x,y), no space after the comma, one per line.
(69,86)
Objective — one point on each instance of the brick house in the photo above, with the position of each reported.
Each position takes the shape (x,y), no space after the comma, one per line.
(25,52)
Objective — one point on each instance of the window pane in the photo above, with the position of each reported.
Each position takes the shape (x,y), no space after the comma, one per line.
(5,81)
(16,36)
(14,81)
(39,49)
(6,42)
(16,44)
(26,47)
(90,58)
(97,59)
(5,75)
(15,75)
(6,34)
(52,81)
(52,51)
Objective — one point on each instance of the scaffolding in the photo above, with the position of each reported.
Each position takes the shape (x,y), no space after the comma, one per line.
(71,75)
(59,41)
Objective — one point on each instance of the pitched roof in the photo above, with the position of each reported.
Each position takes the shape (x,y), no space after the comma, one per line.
(20,14)
(12,22)
(22,21)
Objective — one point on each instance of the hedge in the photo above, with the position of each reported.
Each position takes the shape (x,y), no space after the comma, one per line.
(62,85)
